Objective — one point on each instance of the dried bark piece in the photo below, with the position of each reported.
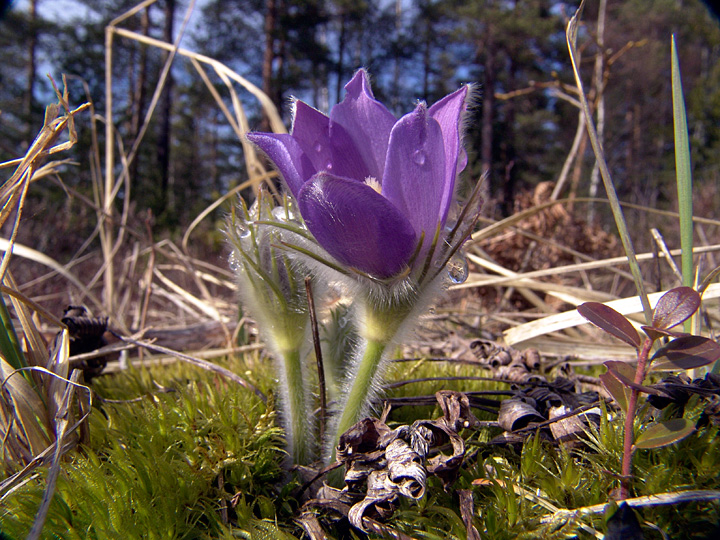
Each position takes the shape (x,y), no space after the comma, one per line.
(567,430)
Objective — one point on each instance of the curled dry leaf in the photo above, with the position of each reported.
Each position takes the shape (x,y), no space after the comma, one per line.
(556,408)
(393,463)
(495,356)
(516,413)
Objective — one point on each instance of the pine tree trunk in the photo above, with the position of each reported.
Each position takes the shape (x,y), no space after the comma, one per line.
(163,148)
(269,55)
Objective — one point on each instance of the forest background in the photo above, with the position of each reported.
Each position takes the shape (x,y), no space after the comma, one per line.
(520,130)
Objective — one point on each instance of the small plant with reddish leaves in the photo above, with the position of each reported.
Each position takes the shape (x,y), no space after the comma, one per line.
(683,351)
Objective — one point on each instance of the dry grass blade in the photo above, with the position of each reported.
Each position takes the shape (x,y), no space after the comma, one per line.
(659,499)
(40,258)
(571,37)
(62,420)
(24,424)
(209,366)
(569,319)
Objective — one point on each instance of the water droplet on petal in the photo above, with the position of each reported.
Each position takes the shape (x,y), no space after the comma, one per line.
(318,147)
(329,166)
(457,268)
(419,157)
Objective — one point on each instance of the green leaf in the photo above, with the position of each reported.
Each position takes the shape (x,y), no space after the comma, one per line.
(611,321)
(687,352)
(682,169)
(9,345)
(675,306)
(664,433)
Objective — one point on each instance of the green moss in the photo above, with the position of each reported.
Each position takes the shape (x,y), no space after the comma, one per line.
(195,448)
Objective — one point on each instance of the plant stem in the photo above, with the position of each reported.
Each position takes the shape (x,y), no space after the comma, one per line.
(296,410)
(379,327)
(628,435)
(361,387)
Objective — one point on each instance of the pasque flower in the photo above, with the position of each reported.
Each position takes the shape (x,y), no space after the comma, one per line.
(378,196)
(370,187)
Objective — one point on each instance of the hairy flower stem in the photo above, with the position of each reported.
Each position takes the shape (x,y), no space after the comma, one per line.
(379,329)
(625,477)
(296,410)
(362,386)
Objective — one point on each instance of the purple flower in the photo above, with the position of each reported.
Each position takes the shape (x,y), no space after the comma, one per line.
(369,186)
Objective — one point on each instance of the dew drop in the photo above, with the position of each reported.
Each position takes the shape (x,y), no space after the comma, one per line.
(254,211)
(318,147)
(457,268)
(244,232)
(279,213)
(233,262)
(419,157)
(329,166)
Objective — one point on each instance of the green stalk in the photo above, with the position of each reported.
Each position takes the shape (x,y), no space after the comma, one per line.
(296,411)
(683,175)
(361,387)
(379,328)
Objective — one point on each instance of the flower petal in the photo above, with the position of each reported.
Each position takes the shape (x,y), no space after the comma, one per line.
(288,157)
(366,120)
(330,149)
(415,178)
(356,225)
(448,112)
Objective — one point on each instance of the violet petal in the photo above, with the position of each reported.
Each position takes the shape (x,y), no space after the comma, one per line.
(366,120)
(336,153)
(415,178)
(448,112)
(356,225)
(287,155)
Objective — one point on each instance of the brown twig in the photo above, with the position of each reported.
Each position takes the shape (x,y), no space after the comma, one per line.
(318,355)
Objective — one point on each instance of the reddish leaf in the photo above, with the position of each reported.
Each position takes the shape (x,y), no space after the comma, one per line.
(623,368)
(611,321)
(657,333)
(619,392)
(675,306)
(626,375)
(687,352)
(665,433)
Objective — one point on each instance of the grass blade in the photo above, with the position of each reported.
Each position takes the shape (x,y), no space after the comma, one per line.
(571,36)
(683,172)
